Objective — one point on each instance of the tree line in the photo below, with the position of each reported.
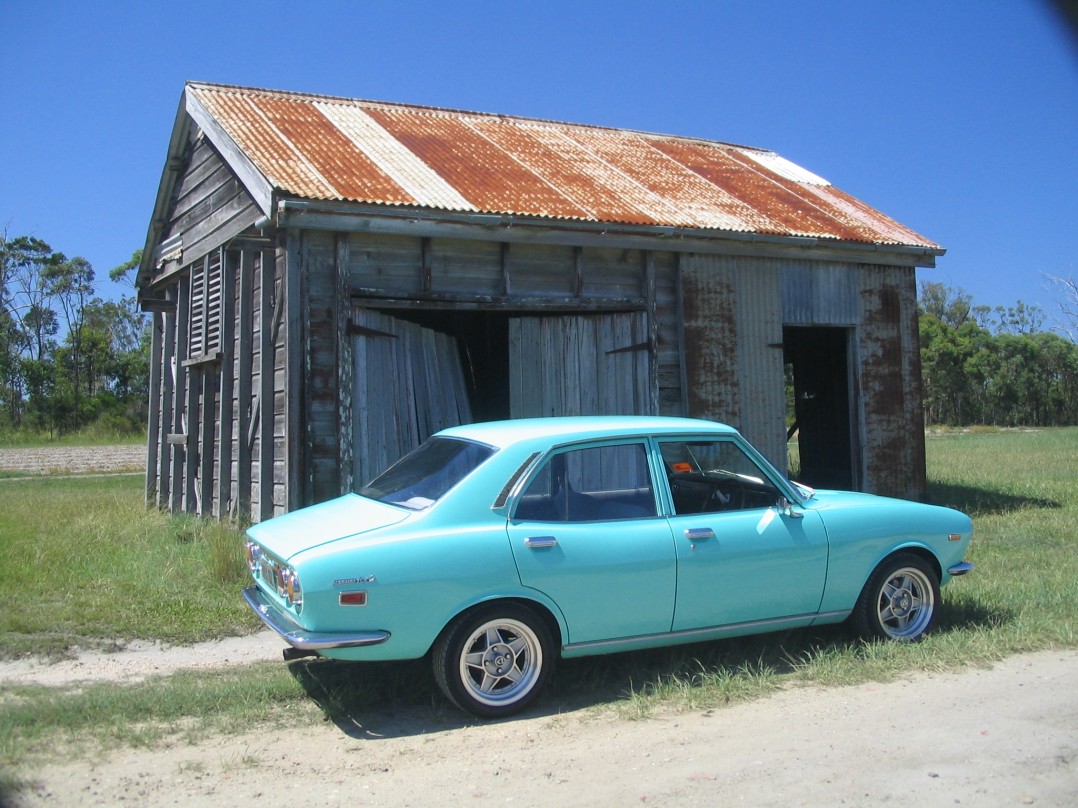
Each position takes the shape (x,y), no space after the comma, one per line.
(68,358)
(994,366)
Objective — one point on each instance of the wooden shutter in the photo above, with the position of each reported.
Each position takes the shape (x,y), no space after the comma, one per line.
(205,326)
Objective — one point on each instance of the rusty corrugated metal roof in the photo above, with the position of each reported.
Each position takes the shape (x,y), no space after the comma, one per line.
(337,149)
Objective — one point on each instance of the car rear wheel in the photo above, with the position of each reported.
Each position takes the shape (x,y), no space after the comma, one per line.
(494,661)
(900,600)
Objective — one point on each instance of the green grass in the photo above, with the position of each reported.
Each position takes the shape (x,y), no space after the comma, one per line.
(102,433)
(87,562)
(92,566)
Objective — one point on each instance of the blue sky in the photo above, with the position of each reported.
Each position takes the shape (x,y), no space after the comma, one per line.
(958,118)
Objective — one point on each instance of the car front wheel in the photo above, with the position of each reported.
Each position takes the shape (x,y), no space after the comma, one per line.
(900,600)
(494,661)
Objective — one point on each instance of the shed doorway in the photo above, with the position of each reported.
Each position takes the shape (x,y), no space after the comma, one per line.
(416,371)
(822,405)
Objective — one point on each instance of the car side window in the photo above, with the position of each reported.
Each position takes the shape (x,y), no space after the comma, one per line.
(715,475)
(592,484)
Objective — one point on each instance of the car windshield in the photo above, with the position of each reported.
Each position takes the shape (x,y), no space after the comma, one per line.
(421,477)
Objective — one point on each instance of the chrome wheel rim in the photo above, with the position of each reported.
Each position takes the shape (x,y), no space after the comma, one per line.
(501,662)
(906,604)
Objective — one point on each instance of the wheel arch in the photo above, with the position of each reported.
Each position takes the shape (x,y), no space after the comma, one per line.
(919,550)
(542,610)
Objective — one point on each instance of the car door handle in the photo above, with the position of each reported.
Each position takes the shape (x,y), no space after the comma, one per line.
(699,533)
(540,542)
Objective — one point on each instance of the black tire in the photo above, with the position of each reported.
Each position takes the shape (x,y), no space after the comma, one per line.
(494,661)
(900,601)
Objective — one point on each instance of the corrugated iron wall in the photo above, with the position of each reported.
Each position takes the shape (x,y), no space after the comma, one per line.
(890,381)
(732,346)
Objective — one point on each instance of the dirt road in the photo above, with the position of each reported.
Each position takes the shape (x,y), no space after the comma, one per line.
(999,737)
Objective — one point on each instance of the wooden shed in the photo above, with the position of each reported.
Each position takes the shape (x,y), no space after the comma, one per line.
(332,280)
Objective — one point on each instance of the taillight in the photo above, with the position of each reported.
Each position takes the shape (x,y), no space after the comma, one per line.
(253,553)
(292,589)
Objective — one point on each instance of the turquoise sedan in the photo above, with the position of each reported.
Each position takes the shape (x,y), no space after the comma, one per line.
(497,548)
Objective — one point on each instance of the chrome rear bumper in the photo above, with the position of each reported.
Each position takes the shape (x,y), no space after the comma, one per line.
(297,636)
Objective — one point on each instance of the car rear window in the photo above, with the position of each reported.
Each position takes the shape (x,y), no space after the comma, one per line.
(424,475)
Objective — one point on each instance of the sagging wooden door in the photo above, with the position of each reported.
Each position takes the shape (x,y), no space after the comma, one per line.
(408,383)
(581,364)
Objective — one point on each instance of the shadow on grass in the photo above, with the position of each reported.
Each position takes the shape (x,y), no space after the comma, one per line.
(395,699)
(966,615)
(982,501)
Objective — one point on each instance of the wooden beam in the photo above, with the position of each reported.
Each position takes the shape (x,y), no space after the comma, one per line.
(195,394)
(226,412)
(426,265)
(245,369)
(499,303)
(345,370)
(653,329)
(295,359)
(207,413)
(179,454)
(264,402)
(578,271)
(166,403)
(345,217)
(507,284)
(153,425)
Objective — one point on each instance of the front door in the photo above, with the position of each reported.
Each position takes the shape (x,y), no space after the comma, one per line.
(741,559)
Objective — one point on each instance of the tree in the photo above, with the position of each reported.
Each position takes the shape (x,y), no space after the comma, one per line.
(993,366)
(1067,288)
(71,283)
(66,356)
(950,306)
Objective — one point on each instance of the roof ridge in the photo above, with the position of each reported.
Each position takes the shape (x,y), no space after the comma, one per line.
(457,112)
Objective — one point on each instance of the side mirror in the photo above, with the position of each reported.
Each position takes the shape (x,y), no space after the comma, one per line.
(787,509)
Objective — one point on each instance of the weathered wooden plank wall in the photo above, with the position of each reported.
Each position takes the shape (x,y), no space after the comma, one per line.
(580,364)
(409,384)
(209,206)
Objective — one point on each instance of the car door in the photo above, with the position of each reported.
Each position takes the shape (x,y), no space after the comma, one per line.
(586,532)
(741,558)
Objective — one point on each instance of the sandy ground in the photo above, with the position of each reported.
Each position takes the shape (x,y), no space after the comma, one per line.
(995,737)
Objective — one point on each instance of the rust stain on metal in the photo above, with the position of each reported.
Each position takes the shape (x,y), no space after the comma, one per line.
(396,154)
(492,179)
(712,387)
(883,389)
(347,169)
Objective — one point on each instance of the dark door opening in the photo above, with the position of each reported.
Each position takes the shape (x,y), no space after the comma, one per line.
(818,364)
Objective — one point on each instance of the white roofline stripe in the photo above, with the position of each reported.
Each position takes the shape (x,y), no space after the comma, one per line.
(426,186)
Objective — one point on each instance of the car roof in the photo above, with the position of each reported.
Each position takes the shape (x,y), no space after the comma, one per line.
(503,434)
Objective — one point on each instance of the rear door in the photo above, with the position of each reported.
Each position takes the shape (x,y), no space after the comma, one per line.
(586,533)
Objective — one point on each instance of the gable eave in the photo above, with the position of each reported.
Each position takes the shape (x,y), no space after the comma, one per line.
(191,113)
